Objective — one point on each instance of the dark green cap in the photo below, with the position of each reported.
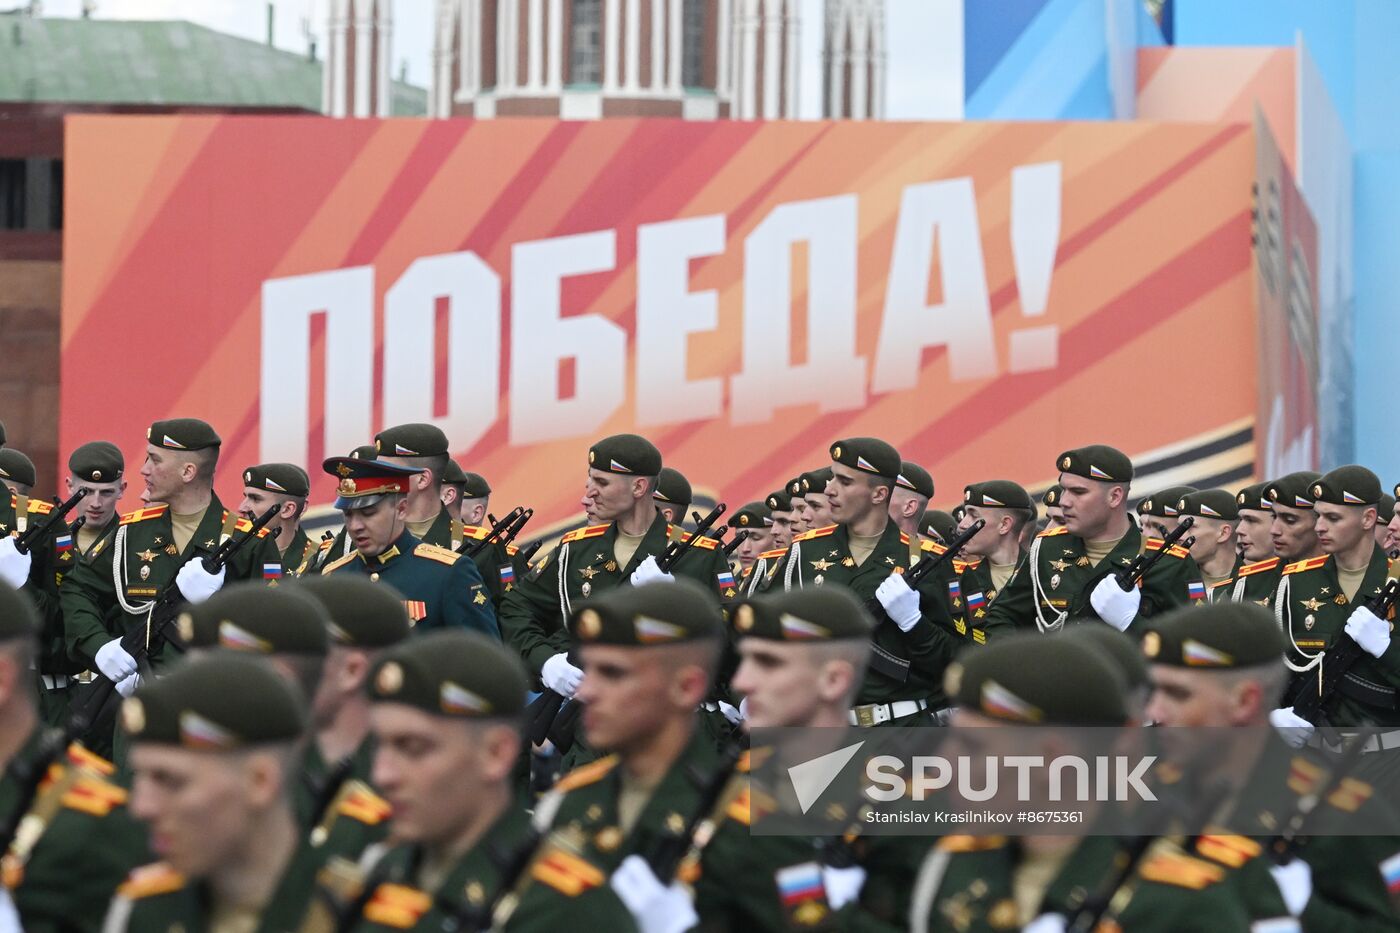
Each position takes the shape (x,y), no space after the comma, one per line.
(453,475)
(1097,461)
(1253,498)
(1385,509)
(672,487)
(652,615)
(1293,490)
(1023,678)
(475,486)
(958,511)
(814,481)
(1218,635)
(411,440)
(182,434)
(915,479)
(459,674)
(997,494)
(779,501)
(1163,503)
(17,617)
(1209,503)
(288,479)
(1052,495)
(360,613)
(869,455)
(97,462)
(259,619)
(752,515)
(627,454)
(221,702)
(820,614)
(16,467)
(1348,485)
(794,488)
(937,523)
(364,452)
(1123,650)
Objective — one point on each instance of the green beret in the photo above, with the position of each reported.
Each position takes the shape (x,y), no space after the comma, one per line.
(1123,650)
(779,501)
(1209,503)
(752,515)
(652,615)
(1385,509)
(794,488)
(1097,461)
(814,481)
(359,613)
(221,702)
(457,673)
(1164,502)
(869,455)
(285,478)
(1253,498)
(1346,485)
(957,511)
(1219,635)
(17,616)
(936,523)
(915,479)
(997,494)
(1052,496)
(365,482)
(672,487)
(453,475)
(475,487)
(16,467)
(97,462)
(411,440)
(628,454)
(1293,490)
(182,434)
(259,619)
(1023,678)
(364,452)
(822,613)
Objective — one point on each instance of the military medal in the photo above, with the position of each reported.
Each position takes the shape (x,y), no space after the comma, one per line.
(819,580)
(588,573)
(147,555)
(821,565)
(1055,582)
(1309,621)
(145,571)
(586,589)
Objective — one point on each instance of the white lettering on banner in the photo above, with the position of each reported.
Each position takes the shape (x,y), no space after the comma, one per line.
(473,291)
(346,297)
(668,313)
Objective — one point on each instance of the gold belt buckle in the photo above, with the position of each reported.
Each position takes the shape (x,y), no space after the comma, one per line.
(865,715)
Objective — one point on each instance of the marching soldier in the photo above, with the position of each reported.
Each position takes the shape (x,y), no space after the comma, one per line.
(1054,514)
(78,840)
(1158,513)
(286,486)
(1293,528)
(993,554)
(439,589)
(673,495)
(454,478)
(1215,512)
(755,522)
(818,514)
(1385,513)
(913,488)
(1069,574)
(17,470)
(780,508)
(35,575)
(1259,568)
(938,526)
(798,503)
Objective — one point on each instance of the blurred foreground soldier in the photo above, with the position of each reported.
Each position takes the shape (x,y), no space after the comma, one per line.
(1069,575)
(1158,513)
(913,488)
(78,840)
(286,486)
(1385,514)
(672,495)
(938,526)
(1216,513)
(214,747)
(439,589)
(17,470)
(1222,667)
(1259,571)
(991,557)
(1294,525)
(818,513)
(1126,655)
(1053,512)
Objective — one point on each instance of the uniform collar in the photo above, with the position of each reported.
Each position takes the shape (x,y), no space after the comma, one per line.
(403,544)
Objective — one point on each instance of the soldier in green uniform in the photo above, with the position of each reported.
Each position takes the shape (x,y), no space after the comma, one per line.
(1293,527)
(938,526)
(1216,514)
(913,488)
(454,478)
(112,594)
(798,503)
(1157,514)
(35,575)
(1259,569)
(755,522)
(17,470)
(1069,573)
(78,841)
(780,508)
(673,495)
(1054,514)
(867,552)
(1322,599)
(476,499)
(439,588)
(818,513)
(286,486)
(214,753)
(497,562)
(992,556)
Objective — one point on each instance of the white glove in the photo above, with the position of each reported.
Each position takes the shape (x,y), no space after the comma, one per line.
(1369,631)
(113,661)
(14,566)
(1294,882)
(901,603)
(655,907)
(197,584)
(744,708)
(1046,923)
(9,917)
(560,676)
(648,572)
(842,884)
(730,713)
(1115,606)
(129,685)
(1292,728)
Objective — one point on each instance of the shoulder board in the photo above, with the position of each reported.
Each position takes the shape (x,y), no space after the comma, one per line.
(40,507)
(971,843)
(244,525)
(933,547)
(1181,870)
(1259,566)
(588,774)
(327,544)
(1051,532)
(397,906)
(903,538)
(512,550)
(1300,566)
(150,880)
(816,533)
(1228,581)
(82,758)
(773,554)
(739,809)
(708,544)
(364,806)
(94,796)
(1155,544)
(1350,795)
(475,532)
(141,515)
(440,554)
(961,566)
(339,562)
(1233,851)
(587,531)
(567,873)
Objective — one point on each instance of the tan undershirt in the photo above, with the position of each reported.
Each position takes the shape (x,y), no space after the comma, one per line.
(233,919)
(1000,574)
(1211,582)
(1098,550)
(183,527)
(625,546)
(419,529)
(1350,581)
(631,801)
(1033,877)
(87,537)
(862,546)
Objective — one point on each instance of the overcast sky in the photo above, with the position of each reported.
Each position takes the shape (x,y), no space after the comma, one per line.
(924,36)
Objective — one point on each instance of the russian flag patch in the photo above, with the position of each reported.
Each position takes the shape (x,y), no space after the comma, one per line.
(1196,589)
(1096,473)
(507,574)
(976,600)
(798,883)
(272,571)
(1390,873)
(63,543)
(725,581)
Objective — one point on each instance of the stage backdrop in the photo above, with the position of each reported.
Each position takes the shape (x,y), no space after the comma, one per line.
(982,295)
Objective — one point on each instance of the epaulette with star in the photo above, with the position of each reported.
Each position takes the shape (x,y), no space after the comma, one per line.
(590,773)
(1052,532)
(440,554)
(1259,566)
(141,515)
(1300,566)
(587,531)
(816,533)
(151,880)
(1176,550)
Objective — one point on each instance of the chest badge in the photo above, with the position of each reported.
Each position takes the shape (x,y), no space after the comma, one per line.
(586,589)
(145,572)
(1312,605)
(1055,582)
(821,566)
(1309,621)
(147,555)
